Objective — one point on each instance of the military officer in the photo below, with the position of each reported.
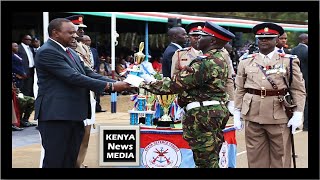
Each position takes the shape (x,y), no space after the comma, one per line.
(259,89)
(230,84)
(201,92)
(183,57)
(26,107)
(84,52)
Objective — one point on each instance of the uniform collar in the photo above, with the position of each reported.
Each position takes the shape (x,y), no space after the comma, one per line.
(270,55)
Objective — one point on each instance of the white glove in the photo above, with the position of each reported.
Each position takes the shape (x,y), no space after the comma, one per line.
(295,121)
(236,119)
(148,78)
(230,106)
(20,95)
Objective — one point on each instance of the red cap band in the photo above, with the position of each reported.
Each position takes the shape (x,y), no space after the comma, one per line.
(76,21)
(220,36)
(269,31)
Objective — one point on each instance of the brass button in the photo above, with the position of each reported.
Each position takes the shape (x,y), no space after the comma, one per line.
(263,77)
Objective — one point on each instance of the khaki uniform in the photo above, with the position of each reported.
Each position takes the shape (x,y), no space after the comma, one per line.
(230,82)
(267,135)
(182,58)
(84,52)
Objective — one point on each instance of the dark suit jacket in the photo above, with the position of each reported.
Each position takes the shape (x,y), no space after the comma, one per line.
(64,85)
(25,60)
(167,59)
(302,52)
(95,58)
(17,68)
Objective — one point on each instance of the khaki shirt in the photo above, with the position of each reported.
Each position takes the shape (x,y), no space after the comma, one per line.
(84,52)
(268,110)
(182,58)
(230,82)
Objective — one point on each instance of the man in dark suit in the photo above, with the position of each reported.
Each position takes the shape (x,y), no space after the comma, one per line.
(63,100)
(282,43)
(18,71)
(178,37)
(96,62)
(301,50)
(25,52)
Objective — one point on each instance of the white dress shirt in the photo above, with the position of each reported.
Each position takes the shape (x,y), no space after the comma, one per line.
(29,54)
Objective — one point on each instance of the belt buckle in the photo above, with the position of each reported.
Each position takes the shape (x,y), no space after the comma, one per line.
(263,92)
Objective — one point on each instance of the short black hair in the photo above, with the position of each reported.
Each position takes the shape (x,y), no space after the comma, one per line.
(56,24)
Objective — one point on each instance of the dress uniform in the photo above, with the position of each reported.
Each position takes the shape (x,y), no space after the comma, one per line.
(201,92)
(230,81)
(183,57)
(259,89)
(84,52)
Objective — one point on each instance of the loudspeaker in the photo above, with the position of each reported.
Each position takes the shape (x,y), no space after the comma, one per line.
(174,22)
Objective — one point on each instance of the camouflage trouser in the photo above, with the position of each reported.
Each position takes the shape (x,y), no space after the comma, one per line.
(26,105)
(202,129)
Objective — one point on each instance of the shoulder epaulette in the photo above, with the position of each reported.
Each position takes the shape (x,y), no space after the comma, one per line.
(289,56)
(248,56)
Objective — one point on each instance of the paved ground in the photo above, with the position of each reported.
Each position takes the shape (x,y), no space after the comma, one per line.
(26,143)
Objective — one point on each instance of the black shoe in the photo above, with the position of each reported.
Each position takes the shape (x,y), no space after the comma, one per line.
(100,110)
(27,124)
(16,128)
(104,93)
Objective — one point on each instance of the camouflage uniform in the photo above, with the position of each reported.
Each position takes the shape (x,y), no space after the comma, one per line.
(26,105)
(203,80)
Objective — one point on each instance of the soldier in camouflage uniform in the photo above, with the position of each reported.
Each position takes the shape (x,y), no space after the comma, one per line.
(26,104)
(201,91)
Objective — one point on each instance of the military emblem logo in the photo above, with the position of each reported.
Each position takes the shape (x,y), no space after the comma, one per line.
(266,29)
(161,154)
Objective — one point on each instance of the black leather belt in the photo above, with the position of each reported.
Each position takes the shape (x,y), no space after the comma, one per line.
(264,92)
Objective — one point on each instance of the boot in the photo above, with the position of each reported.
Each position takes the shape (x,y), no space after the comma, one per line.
(25,123)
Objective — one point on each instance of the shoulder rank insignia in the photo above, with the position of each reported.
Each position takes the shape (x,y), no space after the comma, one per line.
(288,55)
(249,56)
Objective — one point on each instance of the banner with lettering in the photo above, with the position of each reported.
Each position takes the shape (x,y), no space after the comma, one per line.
(166,148)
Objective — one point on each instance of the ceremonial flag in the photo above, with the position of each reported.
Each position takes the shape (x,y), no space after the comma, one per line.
(229,134)
(164,148)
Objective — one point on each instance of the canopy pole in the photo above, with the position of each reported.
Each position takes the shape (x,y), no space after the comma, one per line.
(45,16)
(147,41)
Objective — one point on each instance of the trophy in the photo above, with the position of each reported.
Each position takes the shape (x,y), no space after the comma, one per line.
(150,100)
(165,101)
(139,56)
